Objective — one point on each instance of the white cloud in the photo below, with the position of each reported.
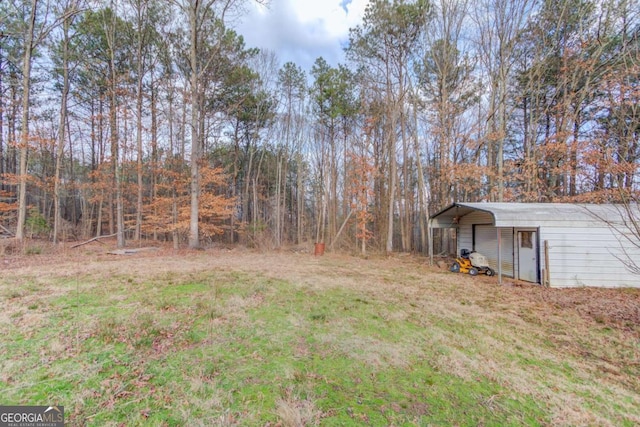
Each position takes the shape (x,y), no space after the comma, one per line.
(302,30)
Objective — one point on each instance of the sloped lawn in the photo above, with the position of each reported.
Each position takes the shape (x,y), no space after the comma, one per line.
(247,338)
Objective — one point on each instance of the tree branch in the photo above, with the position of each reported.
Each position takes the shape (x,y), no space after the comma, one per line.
(94,239)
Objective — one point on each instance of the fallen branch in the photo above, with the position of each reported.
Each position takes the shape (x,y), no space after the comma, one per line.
(131,251)
(97,238)
(341,228)
(7,231)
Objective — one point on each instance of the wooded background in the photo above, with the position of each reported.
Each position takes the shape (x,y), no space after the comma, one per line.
(151,119)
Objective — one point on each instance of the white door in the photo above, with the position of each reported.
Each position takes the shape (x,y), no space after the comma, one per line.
(528,256)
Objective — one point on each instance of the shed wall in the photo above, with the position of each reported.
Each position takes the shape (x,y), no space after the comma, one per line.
(465,228)
(588,256)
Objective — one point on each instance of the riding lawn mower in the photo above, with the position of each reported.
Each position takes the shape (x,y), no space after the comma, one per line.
(471,262)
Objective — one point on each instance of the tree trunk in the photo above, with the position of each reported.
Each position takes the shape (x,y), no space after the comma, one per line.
(278,205)
(390,138)
(154,148)
(2,153)
(113,130)
(423,213)
(24,134)
(138,229)
(194,239)
(502,131)
(11,130)
(61,131)
(113,125)
(391,190)
(332,196)
(299,199)
(407,189)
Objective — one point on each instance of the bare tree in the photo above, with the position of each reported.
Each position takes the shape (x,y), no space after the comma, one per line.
(499,24)
(383,44)
(36,31)
(291,81)
(448,89)
(111,33)
(200,14)
(70,9)
(30,42)
(144,15)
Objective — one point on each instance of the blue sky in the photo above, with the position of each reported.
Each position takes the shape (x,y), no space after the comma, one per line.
(302,30)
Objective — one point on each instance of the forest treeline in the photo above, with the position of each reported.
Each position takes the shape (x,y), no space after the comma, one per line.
(151,119)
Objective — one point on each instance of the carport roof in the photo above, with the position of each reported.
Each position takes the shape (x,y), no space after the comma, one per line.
(525,214)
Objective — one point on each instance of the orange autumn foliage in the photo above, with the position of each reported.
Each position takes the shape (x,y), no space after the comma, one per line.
(170,210)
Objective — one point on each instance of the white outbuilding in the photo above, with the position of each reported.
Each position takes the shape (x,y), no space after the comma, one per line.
(556,244)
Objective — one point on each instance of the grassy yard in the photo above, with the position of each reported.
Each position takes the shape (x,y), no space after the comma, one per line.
(284,339)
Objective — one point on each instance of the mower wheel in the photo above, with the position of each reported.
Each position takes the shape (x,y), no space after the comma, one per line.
(455,268)
(490,272)
(473,271)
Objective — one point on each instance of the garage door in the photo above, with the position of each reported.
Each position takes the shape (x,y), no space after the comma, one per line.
(485,241)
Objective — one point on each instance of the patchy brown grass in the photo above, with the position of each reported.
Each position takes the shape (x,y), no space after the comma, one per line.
(515,335)
(618,309)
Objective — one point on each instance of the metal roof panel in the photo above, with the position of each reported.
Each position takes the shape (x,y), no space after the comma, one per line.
(508,214)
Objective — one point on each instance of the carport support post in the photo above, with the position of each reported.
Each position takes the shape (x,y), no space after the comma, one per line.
(499,236)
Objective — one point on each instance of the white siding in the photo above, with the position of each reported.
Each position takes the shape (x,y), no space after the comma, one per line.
(587,256)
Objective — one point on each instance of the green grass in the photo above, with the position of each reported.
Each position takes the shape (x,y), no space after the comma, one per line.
(226,347)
